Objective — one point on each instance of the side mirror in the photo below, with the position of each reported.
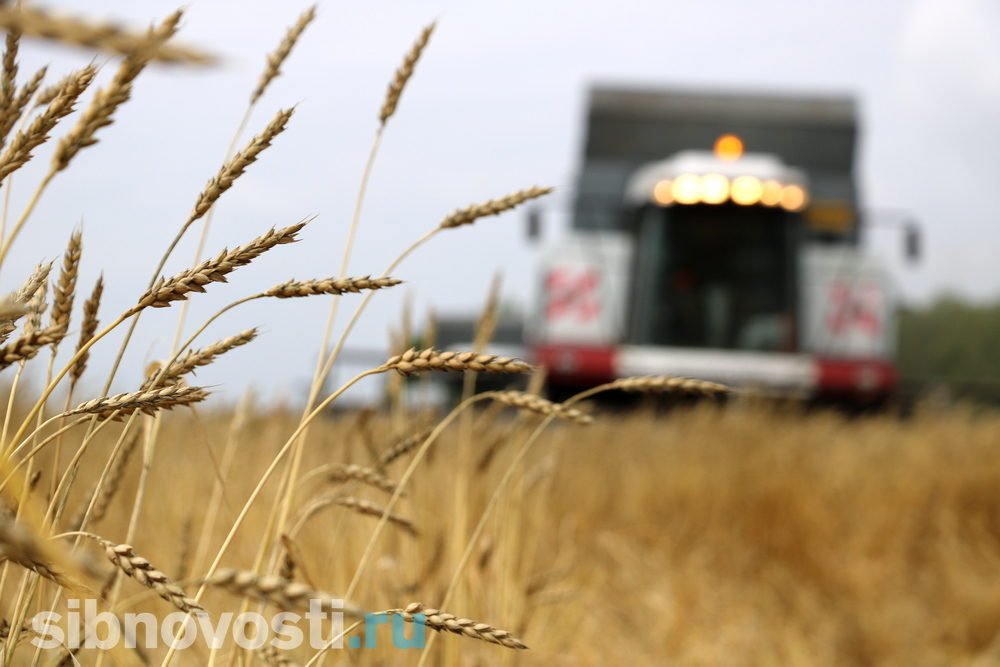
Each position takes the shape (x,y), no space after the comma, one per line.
(912,243)
(533,225)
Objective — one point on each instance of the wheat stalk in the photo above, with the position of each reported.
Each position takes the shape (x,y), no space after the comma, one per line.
(24,142)
(276,58)
(102,36)
(296,288)
(284,594)
(87,330)
(106,101)
(668,384)
(415,361)
(469,214)
(403,74)
(177,288)
(442,621)
(148,401)
(235,167)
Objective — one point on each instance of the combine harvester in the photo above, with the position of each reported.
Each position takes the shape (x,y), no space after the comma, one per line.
(717,236)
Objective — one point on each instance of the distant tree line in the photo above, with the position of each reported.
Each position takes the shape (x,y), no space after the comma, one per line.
(951,341)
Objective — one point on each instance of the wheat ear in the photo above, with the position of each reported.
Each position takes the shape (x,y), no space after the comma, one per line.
(668,384)
(19,545)
(276,58)
(194,359)
(404,447)
(29,345)
(148,401)
(469,214)
(235,167)
(24,142)
(442,621)
(87,330)
(542,406)
(415,361)
(177,288)
(284,594)
(65,288)
(403,74)
(296,288)
(338,473)
(99,113)
(123,557)
(102,36)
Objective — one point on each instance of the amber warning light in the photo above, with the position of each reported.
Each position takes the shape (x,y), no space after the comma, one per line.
(728,147)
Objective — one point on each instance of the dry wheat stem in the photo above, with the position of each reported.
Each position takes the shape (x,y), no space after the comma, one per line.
(275,462)
(108,37)
(404,480)
(291,475)
(276,58)
(336,286)
(284,594)
(638,384)
(442,621)
(403,74)
(99,499)
(38,445)
(413,247)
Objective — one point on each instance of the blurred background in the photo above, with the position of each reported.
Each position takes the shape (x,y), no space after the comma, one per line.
(499,102)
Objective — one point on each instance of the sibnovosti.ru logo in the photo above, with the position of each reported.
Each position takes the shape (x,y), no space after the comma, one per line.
(87,628)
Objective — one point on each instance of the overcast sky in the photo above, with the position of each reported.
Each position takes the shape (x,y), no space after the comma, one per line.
(496,105)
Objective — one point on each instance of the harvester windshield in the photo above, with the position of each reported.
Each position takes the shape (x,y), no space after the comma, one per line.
(716,243)
(717,276)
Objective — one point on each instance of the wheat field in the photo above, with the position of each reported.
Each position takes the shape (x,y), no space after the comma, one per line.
(507,528)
